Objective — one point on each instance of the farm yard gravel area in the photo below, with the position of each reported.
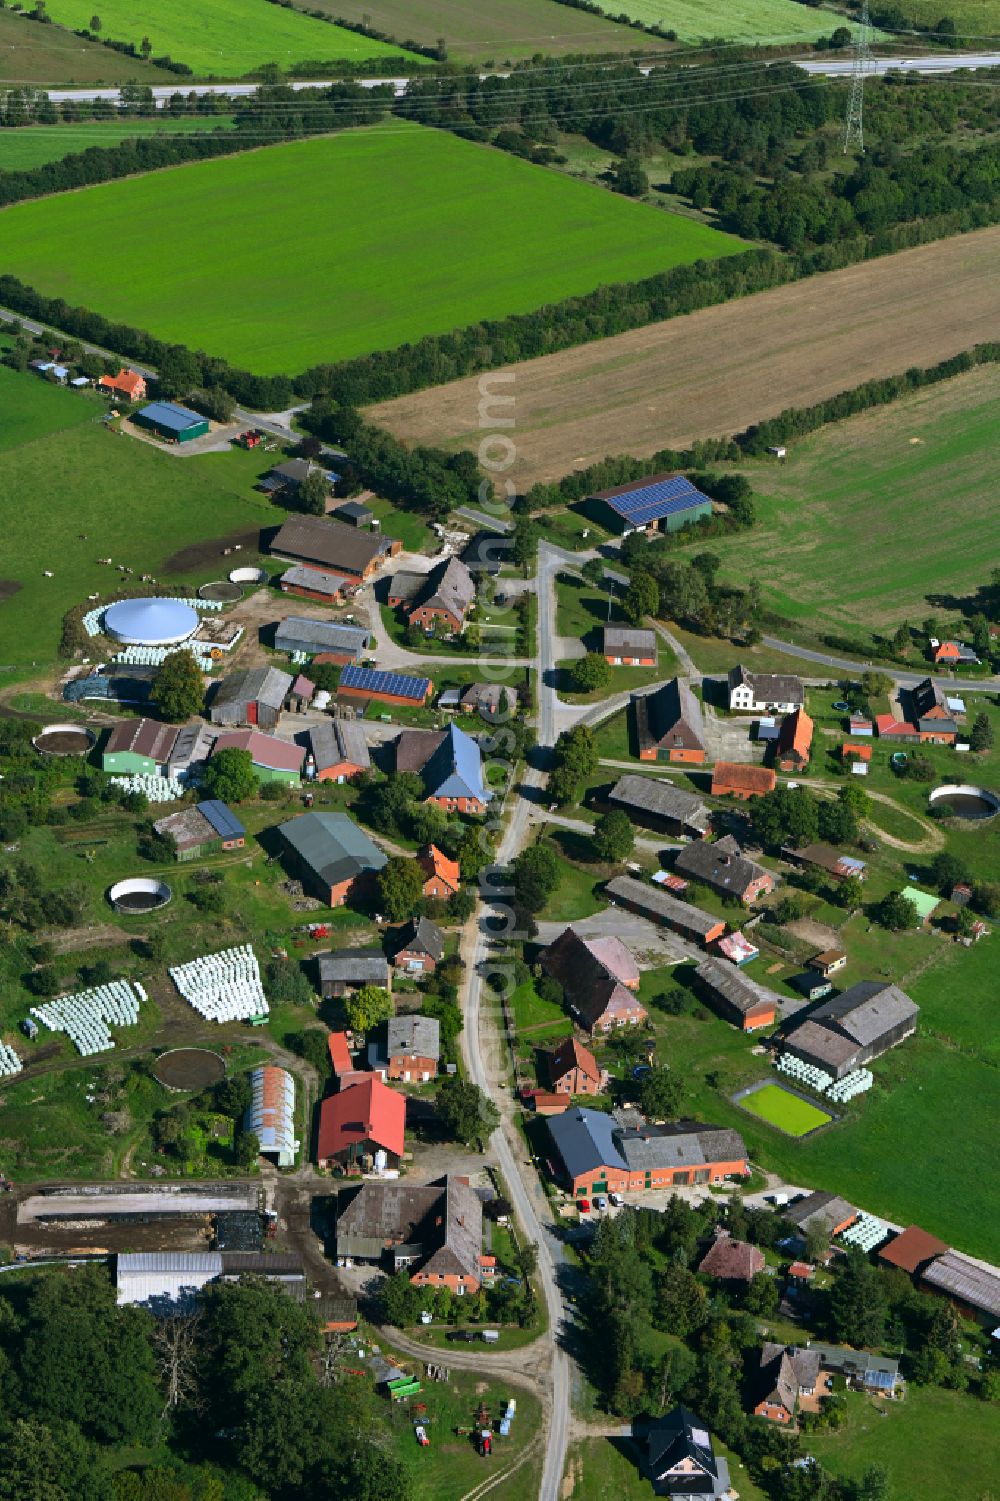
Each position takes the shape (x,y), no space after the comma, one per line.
(722,368)
(212,279)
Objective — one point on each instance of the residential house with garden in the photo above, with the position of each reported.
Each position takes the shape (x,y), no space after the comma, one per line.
(629,646)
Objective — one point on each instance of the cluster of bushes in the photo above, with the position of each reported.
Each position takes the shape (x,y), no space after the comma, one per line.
(223,1403)
(932,184)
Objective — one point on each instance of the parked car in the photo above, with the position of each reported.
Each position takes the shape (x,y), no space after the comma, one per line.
(600,1203)
(461,1336)
(616,1200)
(583,1205)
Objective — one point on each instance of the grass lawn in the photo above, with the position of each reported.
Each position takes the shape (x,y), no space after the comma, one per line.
(450,1466)
(785,1110)
(826,544)
(35,144)
(764,22)
(607,1469)
(226,38)
(530,1010)
(917,1441)
(613,738)
(476,33)
(622,680)
(212,279)
(582,610)
(415,534)
(573,897)
(31,408)
(894,1153)
(957,999)
(83,493)
(571,529)
(33,54)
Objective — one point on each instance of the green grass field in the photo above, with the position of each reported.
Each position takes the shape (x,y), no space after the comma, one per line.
(768,22)
(32,54)
(473,32)
(517,236)
(974,19)
(65,478)
(224,38)
(33,145)
(917,1441)
(780,1108)
(833,514)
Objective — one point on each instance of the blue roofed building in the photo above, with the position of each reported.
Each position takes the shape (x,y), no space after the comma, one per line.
(453,774)
(659,503)
(173,423)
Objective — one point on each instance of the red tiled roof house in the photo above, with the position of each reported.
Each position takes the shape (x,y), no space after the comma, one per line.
(573,1069)
(358,1122)
(734,779)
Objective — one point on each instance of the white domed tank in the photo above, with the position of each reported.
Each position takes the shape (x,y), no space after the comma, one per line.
(150,622)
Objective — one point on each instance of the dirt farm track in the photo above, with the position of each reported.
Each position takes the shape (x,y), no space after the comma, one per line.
(719,370)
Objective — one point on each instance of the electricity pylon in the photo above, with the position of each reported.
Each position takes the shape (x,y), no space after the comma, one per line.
(854,127)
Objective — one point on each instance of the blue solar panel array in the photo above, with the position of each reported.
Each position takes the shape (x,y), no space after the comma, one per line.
(372,680)
(660,498)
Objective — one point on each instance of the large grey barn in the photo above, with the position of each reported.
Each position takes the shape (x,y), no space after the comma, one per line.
(850,1029)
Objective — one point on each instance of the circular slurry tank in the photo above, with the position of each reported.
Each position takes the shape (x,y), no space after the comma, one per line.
(248,576)
(65,740)
(964,801)
(222,591)
(150,622)
(138,894)
(189,1068)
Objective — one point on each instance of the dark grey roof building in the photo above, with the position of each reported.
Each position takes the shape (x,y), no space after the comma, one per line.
(621,641)
(850,1029)
(659,805)
(681,1460)
(336,744)
(348,969)
(658,905)
(725,868)
(433,1230)
(822,1210)
(669,724)
(255,696)
(301,633)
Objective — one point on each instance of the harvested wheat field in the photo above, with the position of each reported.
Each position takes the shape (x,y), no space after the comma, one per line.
(719,370)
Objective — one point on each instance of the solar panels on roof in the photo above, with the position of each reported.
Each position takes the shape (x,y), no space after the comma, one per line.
(373,680)
(661,497)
